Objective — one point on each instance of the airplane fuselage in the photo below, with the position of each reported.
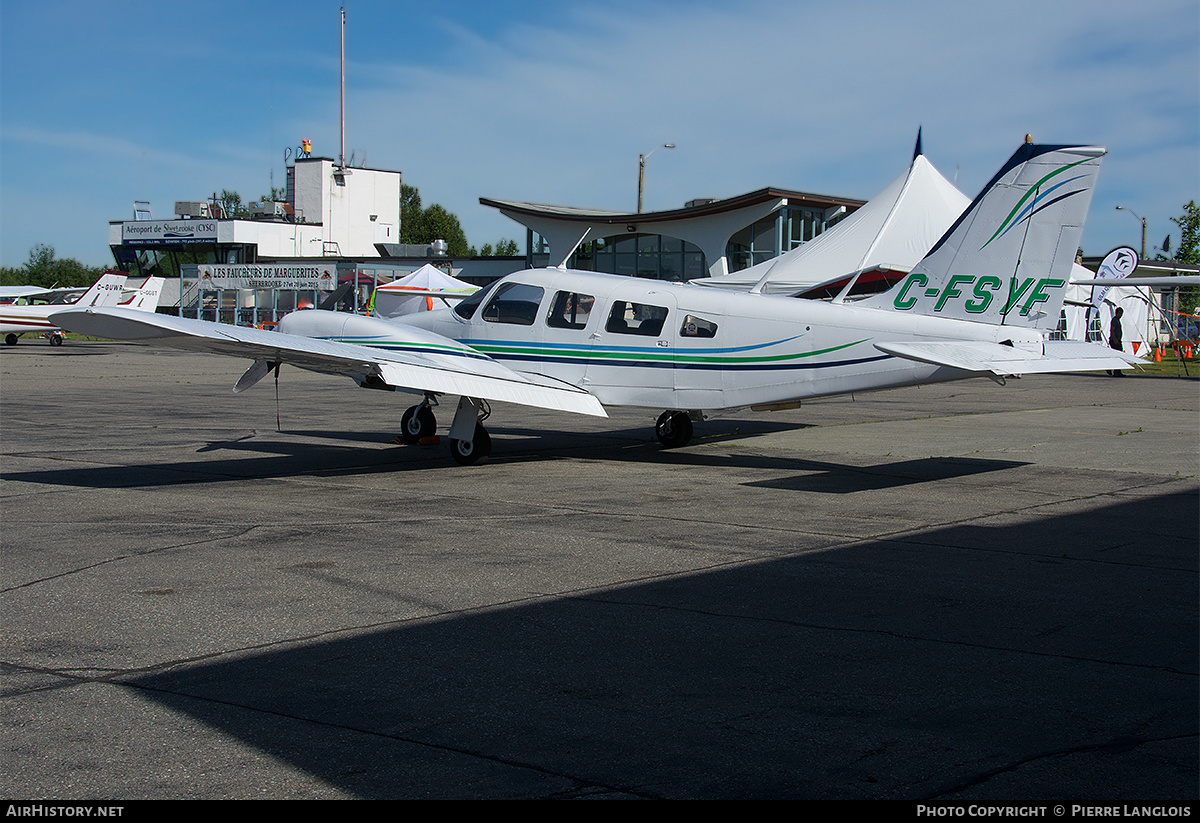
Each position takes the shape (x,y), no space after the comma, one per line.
(652,344)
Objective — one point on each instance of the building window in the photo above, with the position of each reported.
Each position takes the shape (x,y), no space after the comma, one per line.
(652,256)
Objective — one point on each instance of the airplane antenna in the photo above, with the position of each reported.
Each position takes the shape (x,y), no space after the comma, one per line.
(342,93)
(578,243)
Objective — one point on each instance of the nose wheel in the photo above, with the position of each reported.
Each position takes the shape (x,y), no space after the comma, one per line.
(674,429)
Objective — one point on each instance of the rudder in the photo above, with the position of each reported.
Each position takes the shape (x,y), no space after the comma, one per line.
(1007,259)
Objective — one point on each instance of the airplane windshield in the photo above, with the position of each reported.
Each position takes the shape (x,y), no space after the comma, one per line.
(466,308)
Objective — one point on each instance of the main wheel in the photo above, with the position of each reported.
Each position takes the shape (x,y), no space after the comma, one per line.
(56,339)
(10,339)
(416,423)
(674,429)
(475,450)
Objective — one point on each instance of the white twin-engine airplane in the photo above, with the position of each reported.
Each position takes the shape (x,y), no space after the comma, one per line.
(978,304)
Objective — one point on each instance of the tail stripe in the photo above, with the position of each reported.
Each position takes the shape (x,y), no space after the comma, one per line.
(1034,191)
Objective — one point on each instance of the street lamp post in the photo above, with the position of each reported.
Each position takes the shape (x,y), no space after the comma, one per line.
(1143,221)
(642,171)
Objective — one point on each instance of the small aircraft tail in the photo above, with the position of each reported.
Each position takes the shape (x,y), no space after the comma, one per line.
(1007,259)
(104,292)
(145,298)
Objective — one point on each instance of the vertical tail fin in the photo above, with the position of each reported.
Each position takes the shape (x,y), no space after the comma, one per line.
(104,292)
(1007,259)
(146,298)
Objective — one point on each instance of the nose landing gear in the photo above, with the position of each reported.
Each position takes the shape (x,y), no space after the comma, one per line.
(674,429)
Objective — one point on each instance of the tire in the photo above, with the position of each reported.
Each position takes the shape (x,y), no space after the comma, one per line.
(417,422)
(674,429)
(56,340)
(473,451)
(10,339)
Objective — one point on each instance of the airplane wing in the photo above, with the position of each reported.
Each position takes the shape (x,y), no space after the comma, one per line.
(442,366)
(980,356)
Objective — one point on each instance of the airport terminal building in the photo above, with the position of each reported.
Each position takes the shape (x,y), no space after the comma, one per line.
(340,224)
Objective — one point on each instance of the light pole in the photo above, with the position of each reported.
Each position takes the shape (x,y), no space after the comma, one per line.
(1143,219)
(642,171)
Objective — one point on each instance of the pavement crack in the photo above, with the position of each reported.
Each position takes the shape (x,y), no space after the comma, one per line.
(118,558)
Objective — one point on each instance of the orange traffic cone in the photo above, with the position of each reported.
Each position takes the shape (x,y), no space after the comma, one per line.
(1158,354)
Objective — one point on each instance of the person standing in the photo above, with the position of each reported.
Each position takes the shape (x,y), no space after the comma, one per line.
(1116,337)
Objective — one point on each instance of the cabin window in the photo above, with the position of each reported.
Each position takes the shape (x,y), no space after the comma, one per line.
(694,326)
(514,303)
(466,308)
(636,318)
(570,310)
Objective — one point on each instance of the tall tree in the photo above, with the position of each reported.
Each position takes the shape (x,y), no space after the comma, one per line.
(1189,240)
(44,269)
(410,215)
(1189,252)
(419,226)
(231,204)
(440,224)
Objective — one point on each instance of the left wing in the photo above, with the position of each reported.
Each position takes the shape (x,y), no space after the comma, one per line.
(431,363)
(980,356)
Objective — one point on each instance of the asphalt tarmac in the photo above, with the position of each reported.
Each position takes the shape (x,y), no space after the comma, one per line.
(959,593)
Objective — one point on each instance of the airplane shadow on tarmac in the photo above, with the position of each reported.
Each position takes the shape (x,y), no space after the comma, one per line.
(252,456)
(975,661)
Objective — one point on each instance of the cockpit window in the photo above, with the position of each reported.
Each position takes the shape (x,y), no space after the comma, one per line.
(636,318)
(466,308)
(514,303)
(694,326)
(570,310)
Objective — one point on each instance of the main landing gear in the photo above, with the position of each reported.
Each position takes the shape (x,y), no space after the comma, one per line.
(417,422)
(674,429)
(469,441)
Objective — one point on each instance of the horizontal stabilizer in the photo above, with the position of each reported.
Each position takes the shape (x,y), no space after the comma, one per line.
(994,358)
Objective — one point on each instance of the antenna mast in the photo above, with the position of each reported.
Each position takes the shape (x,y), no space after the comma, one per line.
(342,93)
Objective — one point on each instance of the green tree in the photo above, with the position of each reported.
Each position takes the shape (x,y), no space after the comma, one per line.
(231,204)
(504,248)
(419,226)
(410,216)
(1189,252)
(44,269)
(1189,240)
(440,224)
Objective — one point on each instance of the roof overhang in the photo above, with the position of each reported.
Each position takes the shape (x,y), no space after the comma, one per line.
(707,225)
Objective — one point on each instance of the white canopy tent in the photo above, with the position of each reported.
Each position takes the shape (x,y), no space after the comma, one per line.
(893,231)
(425,289)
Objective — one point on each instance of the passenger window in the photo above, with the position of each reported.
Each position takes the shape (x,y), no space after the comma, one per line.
(694,326)
(636,318)
(514,303)
(570,310)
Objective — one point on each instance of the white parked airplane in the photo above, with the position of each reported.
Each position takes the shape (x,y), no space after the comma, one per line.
(31,312)
(977,304)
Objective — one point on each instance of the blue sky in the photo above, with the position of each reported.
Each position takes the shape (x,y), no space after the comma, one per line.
(105,103)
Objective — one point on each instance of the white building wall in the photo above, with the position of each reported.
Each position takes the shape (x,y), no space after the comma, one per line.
(357,208)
